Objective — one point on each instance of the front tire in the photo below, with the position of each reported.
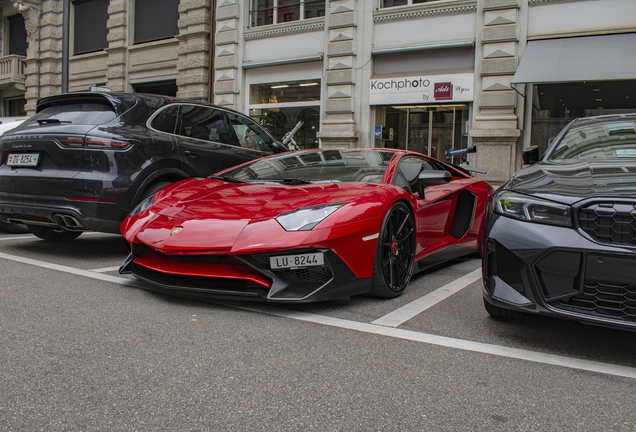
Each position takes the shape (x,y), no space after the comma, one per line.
(53,234)
(395,253)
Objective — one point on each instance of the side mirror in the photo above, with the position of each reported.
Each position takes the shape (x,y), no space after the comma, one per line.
(432,178)
(531,155)
(279,147)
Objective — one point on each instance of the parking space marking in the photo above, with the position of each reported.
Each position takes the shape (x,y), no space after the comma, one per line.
(410,310)
(72,270)
(105,269)
(24,237)
(478,347)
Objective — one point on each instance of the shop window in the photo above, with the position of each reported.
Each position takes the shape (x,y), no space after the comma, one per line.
(556,105)
(90,31)
(391,3)
(290,111)
(165,87)
(429,129)
(17,35)
(264,12)
(14,107)
(156,20)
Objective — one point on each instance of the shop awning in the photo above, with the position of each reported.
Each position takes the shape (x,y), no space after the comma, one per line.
(589,58)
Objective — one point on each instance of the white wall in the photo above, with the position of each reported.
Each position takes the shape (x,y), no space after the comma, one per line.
(581,16)
(284,47)
(425,31)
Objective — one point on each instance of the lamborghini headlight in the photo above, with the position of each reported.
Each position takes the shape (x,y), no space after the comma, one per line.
(531,209)
(144,205)
(306,219)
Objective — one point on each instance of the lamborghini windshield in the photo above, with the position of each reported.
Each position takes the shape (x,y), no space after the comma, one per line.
(317,165)
(612,138)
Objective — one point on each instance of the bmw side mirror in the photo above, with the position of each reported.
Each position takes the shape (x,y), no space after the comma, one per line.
(531,155)
(432,178)
(279,147)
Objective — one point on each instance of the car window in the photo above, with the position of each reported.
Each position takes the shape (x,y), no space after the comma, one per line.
(204,123)
(408,172)
(166,119)
(92,113)
(250,134)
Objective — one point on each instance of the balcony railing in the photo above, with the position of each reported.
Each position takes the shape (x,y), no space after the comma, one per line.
(12,70)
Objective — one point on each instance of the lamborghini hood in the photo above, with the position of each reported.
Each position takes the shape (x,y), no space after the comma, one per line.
(215,215)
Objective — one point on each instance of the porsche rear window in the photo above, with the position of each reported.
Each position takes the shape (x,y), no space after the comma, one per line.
(319,165)
(92,113)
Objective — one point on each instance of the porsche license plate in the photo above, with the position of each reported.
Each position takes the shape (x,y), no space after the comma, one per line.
(293,261)
(23,159)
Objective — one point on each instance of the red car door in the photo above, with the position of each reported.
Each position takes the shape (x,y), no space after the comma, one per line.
(433,212)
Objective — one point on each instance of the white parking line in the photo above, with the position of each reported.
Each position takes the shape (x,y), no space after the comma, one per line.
(497,350)
(105,269)
(408,311)
(24,237)
(479,347)
(72,270)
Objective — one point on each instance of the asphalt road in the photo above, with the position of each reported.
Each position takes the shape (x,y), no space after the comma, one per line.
(83,348)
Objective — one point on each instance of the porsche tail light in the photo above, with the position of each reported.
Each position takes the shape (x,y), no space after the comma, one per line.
(93,143)
(105,143)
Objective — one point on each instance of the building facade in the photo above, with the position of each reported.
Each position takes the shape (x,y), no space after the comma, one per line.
(423,75)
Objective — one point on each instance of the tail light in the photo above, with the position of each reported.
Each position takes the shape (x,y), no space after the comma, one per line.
(93,143)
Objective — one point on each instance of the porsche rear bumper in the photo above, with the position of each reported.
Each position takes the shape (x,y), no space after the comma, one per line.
(243,277)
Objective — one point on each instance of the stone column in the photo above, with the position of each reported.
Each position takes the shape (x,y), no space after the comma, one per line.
(226,39)
(44,54)
(495,129)
(117,46)
(338,128)
(194,49)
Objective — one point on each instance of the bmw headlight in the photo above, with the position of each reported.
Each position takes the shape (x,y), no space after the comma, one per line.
(145,204)
(307,218)
(531,209)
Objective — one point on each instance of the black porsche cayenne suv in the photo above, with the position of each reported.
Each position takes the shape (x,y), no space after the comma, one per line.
(84,160)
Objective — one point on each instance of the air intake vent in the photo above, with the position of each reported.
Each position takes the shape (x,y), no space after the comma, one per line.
(463,217)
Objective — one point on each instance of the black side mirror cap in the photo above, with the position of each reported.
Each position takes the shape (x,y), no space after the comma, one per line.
(432,178)
(279,147)
(531,155)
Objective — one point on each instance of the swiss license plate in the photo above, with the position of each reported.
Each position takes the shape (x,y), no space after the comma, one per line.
(293,261)
(23,159)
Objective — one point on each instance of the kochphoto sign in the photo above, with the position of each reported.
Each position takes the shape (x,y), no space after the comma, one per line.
(422,89)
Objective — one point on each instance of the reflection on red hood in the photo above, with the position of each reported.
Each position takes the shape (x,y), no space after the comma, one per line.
(216,199)
(218,217)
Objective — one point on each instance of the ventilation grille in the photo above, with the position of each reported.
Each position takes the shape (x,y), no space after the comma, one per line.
(610,223)
(463,217)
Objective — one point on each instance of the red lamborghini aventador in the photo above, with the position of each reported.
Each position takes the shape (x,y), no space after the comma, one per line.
(306,226)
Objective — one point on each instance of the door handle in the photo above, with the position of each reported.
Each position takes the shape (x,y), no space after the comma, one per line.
(193,155)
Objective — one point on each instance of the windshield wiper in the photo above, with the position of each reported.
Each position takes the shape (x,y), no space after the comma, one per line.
(227,179)
(293,181)
(52,121)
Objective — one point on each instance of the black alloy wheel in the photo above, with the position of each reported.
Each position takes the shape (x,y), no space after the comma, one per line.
(53,234)
(395,254)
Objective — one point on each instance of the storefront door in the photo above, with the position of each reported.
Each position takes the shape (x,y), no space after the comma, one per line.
(428,129)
